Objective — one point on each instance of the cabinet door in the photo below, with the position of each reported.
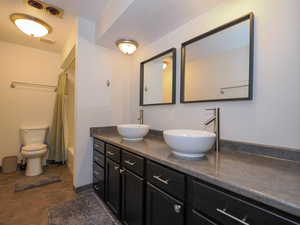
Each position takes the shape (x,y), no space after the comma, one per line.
(162,209)
(98,180)
(132,199)
(113,186)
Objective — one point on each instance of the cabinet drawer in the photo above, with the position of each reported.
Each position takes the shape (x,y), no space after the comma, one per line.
(99,158)
(113,153)
(167,179)
(133,163)
(99,145)
(98,171)
(228,209)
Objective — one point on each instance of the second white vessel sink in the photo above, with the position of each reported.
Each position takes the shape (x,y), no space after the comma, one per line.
(190,143)
(133,132)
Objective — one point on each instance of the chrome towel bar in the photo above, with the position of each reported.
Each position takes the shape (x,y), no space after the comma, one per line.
(14,84)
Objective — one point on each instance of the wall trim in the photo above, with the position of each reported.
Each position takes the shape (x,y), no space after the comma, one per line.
(69,59)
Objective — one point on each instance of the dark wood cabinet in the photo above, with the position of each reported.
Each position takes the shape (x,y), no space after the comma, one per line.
(113,182)
(99,168)
(132,198)
(162,209)
(141,191)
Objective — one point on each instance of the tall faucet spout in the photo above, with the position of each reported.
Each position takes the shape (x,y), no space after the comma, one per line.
(216,119)
(141,118)
(210,120)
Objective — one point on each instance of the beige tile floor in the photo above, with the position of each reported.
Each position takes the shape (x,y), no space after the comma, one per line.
(30,207)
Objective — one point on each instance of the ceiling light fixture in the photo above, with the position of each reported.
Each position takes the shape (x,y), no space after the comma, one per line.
(128,47)
(30,25)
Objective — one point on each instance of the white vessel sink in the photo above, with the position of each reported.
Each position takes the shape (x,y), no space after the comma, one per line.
(190,143)
(133,132)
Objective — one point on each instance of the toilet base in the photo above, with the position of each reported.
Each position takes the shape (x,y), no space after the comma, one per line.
(34,167)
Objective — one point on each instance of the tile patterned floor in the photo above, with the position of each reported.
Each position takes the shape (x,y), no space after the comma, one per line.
(30,207)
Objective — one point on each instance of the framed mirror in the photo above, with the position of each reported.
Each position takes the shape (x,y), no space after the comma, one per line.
(158,79)
(218,65)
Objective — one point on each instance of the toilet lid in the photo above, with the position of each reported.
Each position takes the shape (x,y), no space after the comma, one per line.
(34,147)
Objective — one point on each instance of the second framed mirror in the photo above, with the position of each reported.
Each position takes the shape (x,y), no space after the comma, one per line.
(218,65)
(158,79)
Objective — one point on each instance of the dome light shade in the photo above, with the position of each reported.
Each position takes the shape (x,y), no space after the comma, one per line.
(128,47)
(30,25)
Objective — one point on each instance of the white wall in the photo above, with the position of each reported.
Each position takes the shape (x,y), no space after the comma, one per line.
(95,103)
(19,106)
(273,116)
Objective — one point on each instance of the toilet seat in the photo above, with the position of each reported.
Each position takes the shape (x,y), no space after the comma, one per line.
(34,147)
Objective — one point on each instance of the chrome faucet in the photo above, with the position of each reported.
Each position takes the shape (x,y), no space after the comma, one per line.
(141,118)
(216,119)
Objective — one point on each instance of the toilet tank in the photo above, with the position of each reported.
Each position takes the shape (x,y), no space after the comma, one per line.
(34,135)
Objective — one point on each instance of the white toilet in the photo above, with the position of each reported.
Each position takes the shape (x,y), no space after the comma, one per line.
(34,149)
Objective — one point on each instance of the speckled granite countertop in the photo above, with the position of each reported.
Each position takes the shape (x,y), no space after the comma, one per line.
(273,182)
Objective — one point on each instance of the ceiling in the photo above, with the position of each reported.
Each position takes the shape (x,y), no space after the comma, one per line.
(142,20)
(146,21)
(10,33)
(89,9)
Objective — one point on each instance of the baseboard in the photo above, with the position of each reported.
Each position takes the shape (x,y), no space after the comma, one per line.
(82,188)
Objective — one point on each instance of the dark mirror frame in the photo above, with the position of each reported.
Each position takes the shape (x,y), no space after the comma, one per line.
(173,51)
(249,17)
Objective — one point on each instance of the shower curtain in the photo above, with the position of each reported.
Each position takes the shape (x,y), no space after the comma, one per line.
(57,145)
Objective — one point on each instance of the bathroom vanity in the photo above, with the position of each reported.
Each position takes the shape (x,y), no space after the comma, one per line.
(143,183)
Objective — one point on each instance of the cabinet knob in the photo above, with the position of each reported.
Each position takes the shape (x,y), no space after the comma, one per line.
(177,208)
